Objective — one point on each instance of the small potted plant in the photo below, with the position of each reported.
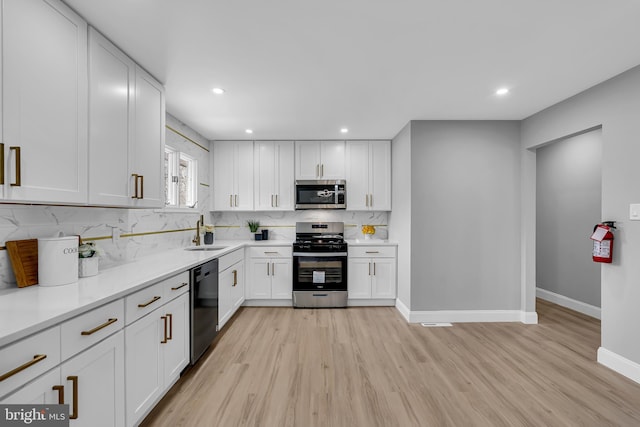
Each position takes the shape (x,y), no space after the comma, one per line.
(88,259)
(253,227)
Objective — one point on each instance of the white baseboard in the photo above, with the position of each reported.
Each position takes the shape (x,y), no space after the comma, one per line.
(371,303)
(575,305)
(268,303)
(619,364)
(404,310)
(465,316)
(529,317)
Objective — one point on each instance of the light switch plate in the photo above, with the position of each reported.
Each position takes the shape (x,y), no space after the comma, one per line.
(634,212)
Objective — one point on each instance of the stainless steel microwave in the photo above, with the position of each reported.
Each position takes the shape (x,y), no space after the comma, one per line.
(321,194)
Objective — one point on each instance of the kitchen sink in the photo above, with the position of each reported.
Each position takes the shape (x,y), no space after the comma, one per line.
(205,248)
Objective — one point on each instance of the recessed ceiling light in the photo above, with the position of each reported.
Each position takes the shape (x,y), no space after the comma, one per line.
(248,131)
(502,91)
(218,91)
(344,130)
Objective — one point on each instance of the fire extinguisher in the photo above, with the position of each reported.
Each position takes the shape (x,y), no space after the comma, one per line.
(603,241)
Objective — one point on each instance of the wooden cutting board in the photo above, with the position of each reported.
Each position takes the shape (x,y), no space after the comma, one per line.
(24,259)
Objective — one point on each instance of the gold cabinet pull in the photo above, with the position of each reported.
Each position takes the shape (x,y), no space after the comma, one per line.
(151,301)
(321,170)
(271,252)
(166,325)
(374,268)
(74,381)
(373,252)
(135,186)
(37,358)
(370,200)
(1,163)
(318,170)
(18,182)
(277,204)
(170,317)
(273,268)
(272,201)
(230,200)
(60,390)
(235,277)
(236,200)
(97,328)
(369,269)
(267,269)
(141,186)
(179,287)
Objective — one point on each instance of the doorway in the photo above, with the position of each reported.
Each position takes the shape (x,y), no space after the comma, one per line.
(568,205)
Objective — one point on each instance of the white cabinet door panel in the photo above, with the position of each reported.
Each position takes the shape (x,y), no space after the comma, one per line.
(44,101)
(285,176)
(259,280)
(383,280)
(307,160)
(265,170)
(332,158)
(38,392)
(177,350)
(359,278)
(358,175)
(281,278)
(244,175)
(380,176)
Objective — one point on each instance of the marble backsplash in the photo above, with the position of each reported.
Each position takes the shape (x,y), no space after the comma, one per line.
(282,225)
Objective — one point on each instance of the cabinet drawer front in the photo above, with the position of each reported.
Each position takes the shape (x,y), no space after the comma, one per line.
(24,360)
(87,329)
(176,286)
(372,251)
(143,302)
(228,260)
(270,252)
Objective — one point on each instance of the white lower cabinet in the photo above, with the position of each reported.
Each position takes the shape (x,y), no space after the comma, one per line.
(94,384)
(270,273)
(372,272)
(157,349)
(230,285)
(39,392)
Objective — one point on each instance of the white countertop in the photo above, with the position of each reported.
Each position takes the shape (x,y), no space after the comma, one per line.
(24,311)
(371,242)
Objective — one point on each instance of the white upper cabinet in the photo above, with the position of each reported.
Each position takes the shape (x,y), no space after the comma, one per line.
(320,160)
(273,173)
(148,148)
(44,102)
(233,175)
(111,84)
(126,129)
(368,175)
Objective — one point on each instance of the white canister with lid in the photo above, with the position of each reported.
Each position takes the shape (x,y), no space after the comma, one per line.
(57,260)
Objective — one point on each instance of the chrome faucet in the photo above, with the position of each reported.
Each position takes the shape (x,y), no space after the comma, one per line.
(200,223)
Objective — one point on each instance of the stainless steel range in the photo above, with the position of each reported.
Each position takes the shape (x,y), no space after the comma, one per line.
(319,265)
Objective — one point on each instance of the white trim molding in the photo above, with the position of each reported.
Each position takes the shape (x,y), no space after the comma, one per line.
(404,310)
(466,316)
(371,303)
(621,365)
(575,305)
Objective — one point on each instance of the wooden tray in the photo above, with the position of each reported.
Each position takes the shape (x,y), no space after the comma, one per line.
(24,259)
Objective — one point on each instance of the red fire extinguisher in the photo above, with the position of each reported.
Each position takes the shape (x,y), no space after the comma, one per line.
(603,242)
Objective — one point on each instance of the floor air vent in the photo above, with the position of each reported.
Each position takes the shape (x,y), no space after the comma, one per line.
(434,325)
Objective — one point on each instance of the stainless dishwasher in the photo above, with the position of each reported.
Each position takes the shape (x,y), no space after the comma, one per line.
(204,307)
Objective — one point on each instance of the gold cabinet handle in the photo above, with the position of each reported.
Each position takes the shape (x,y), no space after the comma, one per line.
(373,252)
(135,186)
(277,201)
(366,200)
(374,268)
(166,325)
(37,358)
(179,287)
(170,317)
(18,182)
(370,200)
(236,200)
(1,163)
(273,268)
(235,277)
(318,170)
(60,390)
(271,252)
(369,269)
(97,328)
(74,381)
(141,186)
(321,170)
(154,299)
(230,200)
(272,201)
(267,269)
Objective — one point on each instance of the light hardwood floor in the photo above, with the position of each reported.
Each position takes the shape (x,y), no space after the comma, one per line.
(368,367)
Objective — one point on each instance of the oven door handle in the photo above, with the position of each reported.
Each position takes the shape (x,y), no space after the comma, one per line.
(319,254)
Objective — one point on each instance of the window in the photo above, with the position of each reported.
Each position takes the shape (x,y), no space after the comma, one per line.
(180,177)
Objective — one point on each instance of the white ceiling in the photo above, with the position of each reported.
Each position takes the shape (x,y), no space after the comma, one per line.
(303,69)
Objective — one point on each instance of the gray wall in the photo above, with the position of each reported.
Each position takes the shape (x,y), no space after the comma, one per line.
(568,183)
(465,214)
(400,216)
(614,104)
